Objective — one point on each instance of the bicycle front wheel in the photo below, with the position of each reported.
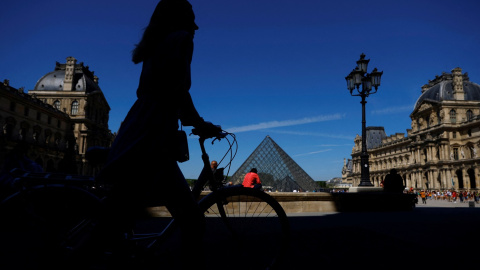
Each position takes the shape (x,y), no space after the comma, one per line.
(245,229)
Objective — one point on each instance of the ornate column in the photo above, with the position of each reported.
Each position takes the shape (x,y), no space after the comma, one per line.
(435,183)
(476,174)
(443,178)
(449,178)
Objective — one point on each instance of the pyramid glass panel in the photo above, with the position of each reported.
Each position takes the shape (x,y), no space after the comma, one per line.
(276,169)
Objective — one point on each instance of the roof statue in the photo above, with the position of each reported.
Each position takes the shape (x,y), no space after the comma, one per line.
(276,169)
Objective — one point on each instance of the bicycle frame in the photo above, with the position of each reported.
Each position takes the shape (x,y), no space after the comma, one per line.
(205,176)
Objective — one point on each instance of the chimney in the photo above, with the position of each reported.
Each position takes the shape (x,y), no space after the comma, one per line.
(69,73)
(457,84)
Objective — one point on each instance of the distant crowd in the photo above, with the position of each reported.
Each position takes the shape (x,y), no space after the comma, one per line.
(454,196)
(450,195)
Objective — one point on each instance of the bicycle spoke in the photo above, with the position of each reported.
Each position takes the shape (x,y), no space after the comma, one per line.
(251,218)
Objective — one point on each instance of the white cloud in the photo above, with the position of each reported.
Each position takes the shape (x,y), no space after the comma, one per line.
(335,145)
(391,110)
(311,153)
(285,123)
(303,133)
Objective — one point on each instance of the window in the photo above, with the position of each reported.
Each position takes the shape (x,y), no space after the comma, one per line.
(8,127)
(37,130)
(22,134)
(57,139)
(74,110)
(39,116)
(26,111)
(455,153)
(8,130)
(12,106)
(35,136)
(56,104)
(469,115)
(453,116)
(48,135)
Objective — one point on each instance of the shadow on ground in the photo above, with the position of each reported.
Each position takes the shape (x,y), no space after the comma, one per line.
(423,237)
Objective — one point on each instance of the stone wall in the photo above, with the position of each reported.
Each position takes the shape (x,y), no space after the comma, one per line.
(292,202)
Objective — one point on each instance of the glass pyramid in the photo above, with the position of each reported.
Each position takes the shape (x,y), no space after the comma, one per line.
(276,169)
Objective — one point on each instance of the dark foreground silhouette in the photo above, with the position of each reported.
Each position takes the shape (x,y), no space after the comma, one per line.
(373,240)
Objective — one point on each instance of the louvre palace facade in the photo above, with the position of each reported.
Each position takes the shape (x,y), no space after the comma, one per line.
(440,151)
(59,119)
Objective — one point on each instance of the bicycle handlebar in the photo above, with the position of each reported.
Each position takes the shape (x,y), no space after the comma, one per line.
(217,133)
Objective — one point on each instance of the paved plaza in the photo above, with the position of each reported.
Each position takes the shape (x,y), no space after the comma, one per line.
(437,234)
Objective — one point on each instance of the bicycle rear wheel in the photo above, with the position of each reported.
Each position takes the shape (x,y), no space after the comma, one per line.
(41,227)
(246,229)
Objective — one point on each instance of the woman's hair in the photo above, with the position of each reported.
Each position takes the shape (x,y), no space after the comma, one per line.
(169,16)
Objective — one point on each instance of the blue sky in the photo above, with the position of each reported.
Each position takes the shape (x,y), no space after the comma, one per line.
(260,68)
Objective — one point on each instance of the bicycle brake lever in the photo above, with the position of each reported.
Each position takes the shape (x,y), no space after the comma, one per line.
(217,139)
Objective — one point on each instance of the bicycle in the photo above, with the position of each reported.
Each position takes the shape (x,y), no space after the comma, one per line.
(62,210)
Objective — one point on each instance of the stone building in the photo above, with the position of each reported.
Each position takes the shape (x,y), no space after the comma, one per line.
(66,110)
(27,120)
(440,151)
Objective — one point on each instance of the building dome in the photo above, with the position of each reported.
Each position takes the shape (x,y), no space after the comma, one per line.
(442,88)
(68,77)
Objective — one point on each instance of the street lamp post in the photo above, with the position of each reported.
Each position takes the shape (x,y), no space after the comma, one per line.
(357,77)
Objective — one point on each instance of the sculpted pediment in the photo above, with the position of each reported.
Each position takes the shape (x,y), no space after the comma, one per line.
(424,107)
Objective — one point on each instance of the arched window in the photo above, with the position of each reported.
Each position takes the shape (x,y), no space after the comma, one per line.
(37,130)
(47,136)
(469,115)
(74,110)
(453,116)
(22,134)
(8,127)
(57,139)
(56,104)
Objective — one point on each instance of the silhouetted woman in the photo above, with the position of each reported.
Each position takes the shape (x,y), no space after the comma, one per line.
(141,164)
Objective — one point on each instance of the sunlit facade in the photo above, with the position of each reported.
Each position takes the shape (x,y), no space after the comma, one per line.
(66,112)
(440,151)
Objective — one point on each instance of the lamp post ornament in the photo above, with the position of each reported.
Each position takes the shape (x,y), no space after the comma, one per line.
(357,77)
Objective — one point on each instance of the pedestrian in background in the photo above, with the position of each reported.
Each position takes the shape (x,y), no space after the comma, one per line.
(252,180)
(423,195)
(393,182)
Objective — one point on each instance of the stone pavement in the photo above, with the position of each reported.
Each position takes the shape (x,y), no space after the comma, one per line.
(438,234)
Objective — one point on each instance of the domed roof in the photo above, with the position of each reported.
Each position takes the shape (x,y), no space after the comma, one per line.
(82,80)
(442,89)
